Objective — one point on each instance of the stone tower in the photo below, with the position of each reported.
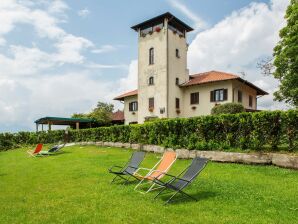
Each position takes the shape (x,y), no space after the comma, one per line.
(162,66)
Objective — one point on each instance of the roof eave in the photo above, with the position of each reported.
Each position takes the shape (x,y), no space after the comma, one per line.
(166,15)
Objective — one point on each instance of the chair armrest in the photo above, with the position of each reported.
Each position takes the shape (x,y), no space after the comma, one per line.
(173,178)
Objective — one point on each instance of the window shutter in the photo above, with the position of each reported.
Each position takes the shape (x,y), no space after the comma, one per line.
(212,96)
(225,94)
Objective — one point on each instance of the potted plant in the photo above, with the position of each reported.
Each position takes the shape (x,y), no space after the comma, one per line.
(175,31)
(151,109)
(157,29)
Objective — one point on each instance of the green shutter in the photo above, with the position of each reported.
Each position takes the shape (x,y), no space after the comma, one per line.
(225,96)
(212,96)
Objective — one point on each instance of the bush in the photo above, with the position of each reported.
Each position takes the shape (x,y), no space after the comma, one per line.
(213,132)
(228,108)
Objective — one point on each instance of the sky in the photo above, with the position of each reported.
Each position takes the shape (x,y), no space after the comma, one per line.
(59,57)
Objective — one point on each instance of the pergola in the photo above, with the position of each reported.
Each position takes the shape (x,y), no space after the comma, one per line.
(73,122)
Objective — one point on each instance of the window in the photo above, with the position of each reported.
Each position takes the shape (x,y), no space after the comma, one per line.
(250,101)
(177,81)
(151,56)
(239,96)
(194,98)
(177,103)
(133,106)
(151,102)
(151,80)
(218,95)
(177,53)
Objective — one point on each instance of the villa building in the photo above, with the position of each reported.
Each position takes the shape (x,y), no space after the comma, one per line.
(165,88)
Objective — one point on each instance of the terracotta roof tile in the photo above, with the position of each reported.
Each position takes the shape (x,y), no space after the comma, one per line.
(131,93)
(118,116)
(212,76)
(215,76)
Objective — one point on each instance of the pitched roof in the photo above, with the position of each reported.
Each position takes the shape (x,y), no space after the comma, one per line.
(215,76)
(118,116)
(202,78)
(131,93)
(212,76)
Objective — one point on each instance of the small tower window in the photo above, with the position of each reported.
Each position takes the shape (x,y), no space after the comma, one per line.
(151,103)
(177,81)
(151,80)
(177,103)
(151,56)
(177,53)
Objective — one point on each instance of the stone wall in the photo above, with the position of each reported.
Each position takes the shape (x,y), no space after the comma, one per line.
(277,159)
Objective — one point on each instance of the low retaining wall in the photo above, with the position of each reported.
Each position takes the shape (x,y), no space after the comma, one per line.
(277,159)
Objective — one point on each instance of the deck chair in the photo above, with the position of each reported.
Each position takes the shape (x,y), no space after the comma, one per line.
(55,149)
(129,169)
(178,183)
(157,172)
(37,150)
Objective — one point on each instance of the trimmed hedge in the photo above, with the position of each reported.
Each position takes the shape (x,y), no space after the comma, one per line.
(214,132)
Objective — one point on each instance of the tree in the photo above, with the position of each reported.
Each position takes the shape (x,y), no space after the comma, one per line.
(286,58)
(102,113)
(79,115)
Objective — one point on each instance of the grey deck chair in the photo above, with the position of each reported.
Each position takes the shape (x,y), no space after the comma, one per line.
(178,183)
(130,168)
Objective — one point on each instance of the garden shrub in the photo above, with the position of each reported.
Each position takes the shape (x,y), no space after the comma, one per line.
(228,108)
(267,129)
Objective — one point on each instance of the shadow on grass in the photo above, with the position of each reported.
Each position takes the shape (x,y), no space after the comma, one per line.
(200,196)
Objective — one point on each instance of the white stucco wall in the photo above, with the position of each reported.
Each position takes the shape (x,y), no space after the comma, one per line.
(246,92)
(130,116)
(204,107)
(177,69)
(157,40)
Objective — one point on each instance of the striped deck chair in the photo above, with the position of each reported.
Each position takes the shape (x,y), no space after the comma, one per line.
(36,151)
(156,172)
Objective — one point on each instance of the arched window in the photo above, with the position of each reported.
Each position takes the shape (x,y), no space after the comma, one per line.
(151,56)
(151,80)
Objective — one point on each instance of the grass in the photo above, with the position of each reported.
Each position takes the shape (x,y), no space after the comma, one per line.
(74,187)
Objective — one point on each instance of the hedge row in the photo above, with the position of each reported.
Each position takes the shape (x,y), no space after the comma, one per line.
(220,132)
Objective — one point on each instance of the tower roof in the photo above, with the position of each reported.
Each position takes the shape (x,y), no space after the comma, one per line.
(159,19)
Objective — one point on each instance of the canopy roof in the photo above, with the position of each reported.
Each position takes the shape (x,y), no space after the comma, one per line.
(62,120)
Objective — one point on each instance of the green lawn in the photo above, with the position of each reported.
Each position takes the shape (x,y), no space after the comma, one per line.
(74,187)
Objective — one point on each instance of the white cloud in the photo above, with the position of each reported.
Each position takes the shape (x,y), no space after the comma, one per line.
(83,12)
(105,49)
(35,82)
(57,6)
(130,82)
(198,22)
(236,43)
(70,47)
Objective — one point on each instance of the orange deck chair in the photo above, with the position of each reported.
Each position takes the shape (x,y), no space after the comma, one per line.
(157,172)
(36,151)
